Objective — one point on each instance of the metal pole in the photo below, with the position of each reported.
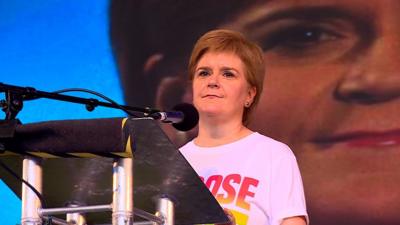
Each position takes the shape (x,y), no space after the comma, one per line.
(75,209)
(165,210)
(122,206)
(148,216)
(32,173)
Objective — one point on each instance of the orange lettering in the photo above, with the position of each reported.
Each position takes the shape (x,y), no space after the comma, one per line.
(244,192)
(230,190)
(216,180)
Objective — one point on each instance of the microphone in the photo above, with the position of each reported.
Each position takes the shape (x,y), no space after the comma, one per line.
(184,116)
(109,137)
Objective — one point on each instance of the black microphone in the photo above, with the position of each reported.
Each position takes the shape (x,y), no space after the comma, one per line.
(184,116)
(109,137)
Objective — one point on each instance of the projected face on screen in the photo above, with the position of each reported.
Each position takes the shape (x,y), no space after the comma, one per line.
(331,92)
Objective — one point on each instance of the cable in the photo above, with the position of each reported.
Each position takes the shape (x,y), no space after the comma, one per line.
(97,94)
(40,196)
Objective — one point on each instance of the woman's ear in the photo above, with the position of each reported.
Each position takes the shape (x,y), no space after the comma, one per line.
(251,93)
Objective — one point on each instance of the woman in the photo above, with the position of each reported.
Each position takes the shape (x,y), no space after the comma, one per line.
(255,177)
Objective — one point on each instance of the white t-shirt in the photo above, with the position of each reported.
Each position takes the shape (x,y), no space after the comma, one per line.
(256,178)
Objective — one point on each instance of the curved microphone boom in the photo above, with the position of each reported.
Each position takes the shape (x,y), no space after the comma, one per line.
(107,137)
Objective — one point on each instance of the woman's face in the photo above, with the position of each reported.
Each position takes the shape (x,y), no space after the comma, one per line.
(332,93)
(220,88)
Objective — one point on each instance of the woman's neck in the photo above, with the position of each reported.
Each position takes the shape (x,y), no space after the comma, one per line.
(214,133)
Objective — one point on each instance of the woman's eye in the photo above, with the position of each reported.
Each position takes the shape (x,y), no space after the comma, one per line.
(299,38)
(203,73)
(228,74)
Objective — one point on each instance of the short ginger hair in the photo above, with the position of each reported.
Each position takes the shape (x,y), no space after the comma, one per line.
(233,42)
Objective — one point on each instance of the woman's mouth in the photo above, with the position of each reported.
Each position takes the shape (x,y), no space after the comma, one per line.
(211,96)
(362,139)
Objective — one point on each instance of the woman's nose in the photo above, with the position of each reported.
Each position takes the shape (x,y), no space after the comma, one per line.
(374,76)
(213,81)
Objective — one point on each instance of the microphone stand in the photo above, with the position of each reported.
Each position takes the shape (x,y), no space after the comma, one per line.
(15,95)
(32,213)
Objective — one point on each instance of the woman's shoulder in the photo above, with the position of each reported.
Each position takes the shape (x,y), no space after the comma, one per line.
(271,145)
(262,139)
(187,146)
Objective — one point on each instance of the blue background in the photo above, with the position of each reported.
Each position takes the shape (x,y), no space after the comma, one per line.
(52,45)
